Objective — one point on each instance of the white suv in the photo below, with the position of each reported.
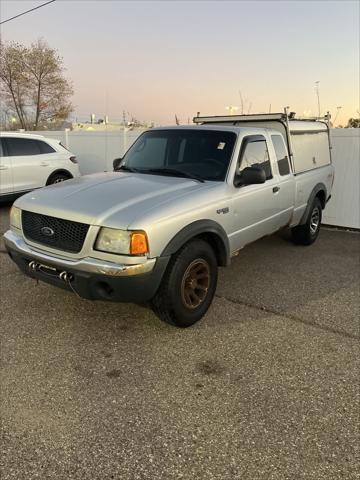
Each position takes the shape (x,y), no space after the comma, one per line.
(32,161)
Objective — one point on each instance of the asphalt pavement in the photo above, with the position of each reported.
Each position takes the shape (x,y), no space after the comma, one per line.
(265,387)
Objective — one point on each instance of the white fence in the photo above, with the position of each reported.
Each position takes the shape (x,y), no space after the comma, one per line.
(96,151)
(343,210)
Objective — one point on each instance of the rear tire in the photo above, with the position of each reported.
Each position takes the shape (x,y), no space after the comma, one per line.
(307,233)
(188,286)
(57,178)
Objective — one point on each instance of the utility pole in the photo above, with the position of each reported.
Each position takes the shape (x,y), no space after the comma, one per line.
(241,102)
(337,113)
(318,96)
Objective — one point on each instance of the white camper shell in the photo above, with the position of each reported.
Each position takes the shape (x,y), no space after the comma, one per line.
(308,141)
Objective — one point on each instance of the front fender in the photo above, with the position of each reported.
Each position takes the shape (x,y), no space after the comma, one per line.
(202,228)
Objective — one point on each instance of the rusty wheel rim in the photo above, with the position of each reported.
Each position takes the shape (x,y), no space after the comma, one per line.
(314,221)
(195,283)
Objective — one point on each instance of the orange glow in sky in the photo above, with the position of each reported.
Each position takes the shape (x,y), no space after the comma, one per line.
(156,59)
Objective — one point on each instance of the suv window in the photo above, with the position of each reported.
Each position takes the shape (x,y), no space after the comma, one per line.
(22,146)
(26,146)
(256,154)
(281,154)
(45,147)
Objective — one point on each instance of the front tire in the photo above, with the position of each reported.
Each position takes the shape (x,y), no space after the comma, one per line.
(307,233)
(188,286)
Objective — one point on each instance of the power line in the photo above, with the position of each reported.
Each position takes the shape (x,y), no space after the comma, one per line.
(27,11)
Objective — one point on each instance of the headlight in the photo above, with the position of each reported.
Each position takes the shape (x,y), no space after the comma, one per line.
(15,217)
(122,242)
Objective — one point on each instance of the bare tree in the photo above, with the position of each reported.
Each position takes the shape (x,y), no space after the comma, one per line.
(244,102)
(34,84)
(14,81)
(241,103)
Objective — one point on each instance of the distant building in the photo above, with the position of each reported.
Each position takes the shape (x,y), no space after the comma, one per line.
(101,126)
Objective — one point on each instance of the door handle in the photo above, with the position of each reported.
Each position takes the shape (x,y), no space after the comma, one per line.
(44,164)
(3,167)
(276,189)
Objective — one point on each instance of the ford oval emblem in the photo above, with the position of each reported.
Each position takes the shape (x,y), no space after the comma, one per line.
(49,232)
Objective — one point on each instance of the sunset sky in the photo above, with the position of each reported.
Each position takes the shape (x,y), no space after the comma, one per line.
(156,59)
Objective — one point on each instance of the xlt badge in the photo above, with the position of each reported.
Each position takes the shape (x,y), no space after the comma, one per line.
(223,210)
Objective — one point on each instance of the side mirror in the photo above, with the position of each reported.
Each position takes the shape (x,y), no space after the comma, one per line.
(250,176)
(116,163)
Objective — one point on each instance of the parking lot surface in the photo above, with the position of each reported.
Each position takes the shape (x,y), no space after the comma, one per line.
(265,387)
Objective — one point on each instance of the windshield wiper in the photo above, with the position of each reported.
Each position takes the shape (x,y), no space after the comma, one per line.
(173,172)
(161,171)
(127,169)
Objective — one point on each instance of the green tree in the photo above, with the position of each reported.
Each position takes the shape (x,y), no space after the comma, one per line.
(33,84)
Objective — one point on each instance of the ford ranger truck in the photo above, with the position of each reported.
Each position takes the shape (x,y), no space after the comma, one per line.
(179,204)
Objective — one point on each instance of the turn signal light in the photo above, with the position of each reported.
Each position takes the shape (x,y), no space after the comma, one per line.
(139,243)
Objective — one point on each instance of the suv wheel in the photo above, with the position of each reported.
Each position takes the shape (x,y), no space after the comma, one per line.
(57,178)
(189,285)
(307,234)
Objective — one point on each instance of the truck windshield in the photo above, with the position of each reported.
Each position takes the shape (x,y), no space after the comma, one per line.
(195,153)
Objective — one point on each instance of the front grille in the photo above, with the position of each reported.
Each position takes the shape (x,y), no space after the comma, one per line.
(54,232)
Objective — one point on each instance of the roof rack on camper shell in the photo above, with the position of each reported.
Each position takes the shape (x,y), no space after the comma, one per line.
(285,123)
(259,117)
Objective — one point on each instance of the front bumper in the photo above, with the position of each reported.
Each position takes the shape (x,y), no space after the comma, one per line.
(89,277)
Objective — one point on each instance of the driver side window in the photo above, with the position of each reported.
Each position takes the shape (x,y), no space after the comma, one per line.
(255,154)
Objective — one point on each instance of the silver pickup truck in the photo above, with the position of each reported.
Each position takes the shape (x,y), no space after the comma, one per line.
(179,204)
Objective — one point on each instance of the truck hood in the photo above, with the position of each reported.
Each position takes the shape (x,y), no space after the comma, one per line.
(108,199)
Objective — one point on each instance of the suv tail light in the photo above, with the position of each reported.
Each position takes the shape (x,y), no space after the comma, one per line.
(73,159)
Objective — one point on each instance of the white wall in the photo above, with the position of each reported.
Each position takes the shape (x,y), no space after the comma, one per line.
(343,210)
(96,151)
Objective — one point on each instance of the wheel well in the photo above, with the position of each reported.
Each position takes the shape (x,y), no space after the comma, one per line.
(319,191)
(207,230)
(61,172)
(321,196)
(217,245)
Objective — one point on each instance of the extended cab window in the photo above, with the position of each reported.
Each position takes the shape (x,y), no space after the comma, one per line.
(256,154)
(281,154)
